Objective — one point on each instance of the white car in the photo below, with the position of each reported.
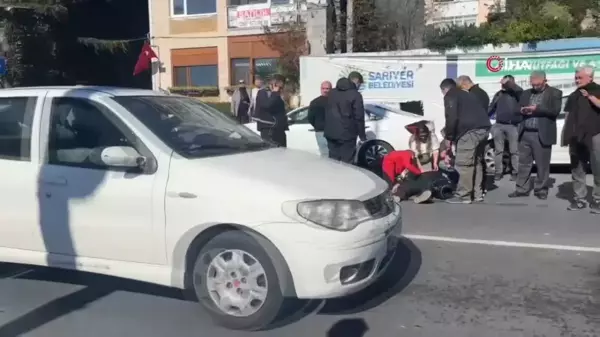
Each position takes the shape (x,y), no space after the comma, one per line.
(385,129)
(165,189)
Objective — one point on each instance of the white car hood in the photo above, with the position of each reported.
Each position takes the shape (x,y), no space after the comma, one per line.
(285,171)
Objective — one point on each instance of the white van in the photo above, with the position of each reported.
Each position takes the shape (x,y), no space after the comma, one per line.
(165,189)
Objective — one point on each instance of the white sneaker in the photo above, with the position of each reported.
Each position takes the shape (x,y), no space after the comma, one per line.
(423,197)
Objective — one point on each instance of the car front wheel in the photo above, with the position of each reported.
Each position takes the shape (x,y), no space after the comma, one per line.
(235,279)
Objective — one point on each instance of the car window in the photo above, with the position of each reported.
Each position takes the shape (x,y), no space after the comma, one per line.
(16,119)
(375,112)
(80,129)
(191,128)
(299,116)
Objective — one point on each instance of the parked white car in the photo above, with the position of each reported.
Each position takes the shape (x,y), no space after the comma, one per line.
(165,189)
(385,131)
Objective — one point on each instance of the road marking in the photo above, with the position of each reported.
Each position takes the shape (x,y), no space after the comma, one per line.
(17,273)
(503,243)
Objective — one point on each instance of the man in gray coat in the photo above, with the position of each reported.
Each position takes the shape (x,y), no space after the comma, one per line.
(540,106)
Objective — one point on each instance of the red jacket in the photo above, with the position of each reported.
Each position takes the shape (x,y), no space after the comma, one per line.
(397,161)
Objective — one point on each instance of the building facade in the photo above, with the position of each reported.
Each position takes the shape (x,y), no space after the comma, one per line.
(447,12)
(215,43)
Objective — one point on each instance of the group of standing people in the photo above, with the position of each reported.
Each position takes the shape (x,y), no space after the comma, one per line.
(338,118)
(526,120)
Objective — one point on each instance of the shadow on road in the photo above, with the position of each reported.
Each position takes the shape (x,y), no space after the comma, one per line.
(400,273)
(351,327)
(52,310)
(565,191)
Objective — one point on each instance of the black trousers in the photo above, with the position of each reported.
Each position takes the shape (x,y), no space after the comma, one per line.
(530,151)
(276,136)
(341,150)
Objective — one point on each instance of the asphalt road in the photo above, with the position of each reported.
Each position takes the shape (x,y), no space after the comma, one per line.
(505,268)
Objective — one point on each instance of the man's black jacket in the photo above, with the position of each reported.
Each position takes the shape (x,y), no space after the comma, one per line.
(316,113)
(270,111)
(482,96)
(505,105)
(583,119)
(345,112)
(463,113)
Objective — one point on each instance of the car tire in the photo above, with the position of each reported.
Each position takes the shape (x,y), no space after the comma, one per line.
(371,153)
(220,276)
(489,159)
(490,163)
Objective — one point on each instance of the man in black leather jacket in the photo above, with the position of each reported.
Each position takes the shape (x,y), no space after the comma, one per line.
(467,126)
(345,118)
(270,115)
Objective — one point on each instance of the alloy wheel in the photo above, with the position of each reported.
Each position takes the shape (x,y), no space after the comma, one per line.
(237,283)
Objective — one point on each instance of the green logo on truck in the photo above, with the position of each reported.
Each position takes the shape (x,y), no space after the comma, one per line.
(500,66)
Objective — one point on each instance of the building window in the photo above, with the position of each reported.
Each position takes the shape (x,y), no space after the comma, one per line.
(265,67)
(240,70)
(447,21)
(245,2)
(196,76)
(194,7)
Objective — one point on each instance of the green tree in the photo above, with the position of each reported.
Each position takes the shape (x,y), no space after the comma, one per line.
(44,46)
(524,21)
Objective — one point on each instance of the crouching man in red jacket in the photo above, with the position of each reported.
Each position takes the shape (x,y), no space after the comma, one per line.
(402,172)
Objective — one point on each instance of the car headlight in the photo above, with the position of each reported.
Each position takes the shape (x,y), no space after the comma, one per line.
(341,215)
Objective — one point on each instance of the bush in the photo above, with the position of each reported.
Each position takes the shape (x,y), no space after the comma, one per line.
(224,107)
(196,91)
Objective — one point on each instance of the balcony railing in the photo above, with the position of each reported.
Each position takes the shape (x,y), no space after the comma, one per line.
(260,15)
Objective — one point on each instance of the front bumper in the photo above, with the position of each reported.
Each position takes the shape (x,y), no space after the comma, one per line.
(326,271)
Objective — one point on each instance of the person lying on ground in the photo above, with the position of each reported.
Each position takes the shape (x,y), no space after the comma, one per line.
(401,171)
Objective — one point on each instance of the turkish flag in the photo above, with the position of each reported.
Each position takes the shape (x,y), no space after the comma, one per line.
(145,59)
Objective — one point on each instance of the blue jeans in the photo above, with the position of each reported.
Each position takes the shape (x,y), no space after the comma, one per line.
(322,144)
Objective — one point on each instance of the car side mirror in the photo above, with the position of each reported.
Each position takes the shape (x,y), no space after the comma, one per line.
(122,156)
(290,121)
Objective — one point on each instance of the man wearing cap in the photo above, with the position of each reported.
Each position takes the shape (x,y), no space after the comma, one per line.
(345,118)
(540,106)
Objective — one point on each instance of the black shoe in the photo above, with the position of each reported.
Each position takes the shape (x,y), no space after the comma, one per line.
(595,207)
(577,205)
(459,200)
(516,194)
(541,195)
(513,177)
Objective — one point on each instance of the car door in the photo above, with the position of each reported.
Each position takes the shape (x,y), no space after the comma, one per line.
(19,136)
(301,135)
(89,209)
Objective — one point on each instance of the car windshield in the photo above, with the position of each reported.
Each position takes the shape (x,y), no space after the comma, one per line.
(190,127)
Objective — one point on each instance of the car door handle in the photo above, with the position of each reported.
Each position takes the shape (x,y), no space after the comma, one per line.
(56,181)
(366,126)
(311,129)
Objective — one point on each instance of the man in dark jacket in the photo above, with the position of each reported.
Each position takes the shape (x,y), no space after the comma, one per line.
(316,117)
(540,106)
(582,135)
(465,83)
(467,126)
(505,107)
(270,116)
(345,118)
